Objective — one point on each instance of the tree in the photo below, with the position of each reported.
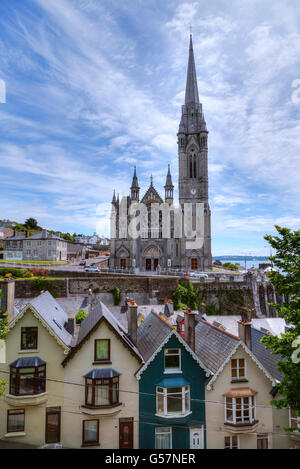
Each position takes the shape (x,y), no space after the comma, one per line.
(3,333)
(185,296)
(287,282)
(31,224)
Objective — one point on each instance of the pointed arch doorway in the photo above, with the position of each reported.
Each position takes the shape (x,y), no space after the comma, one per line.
(151,257)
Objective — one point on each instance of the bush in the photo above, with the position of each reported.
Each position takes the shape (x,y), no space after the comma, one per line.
(116,293)
(80,316)
(230,266)
(14,271)
(187,296)
(46,285)
(39,272)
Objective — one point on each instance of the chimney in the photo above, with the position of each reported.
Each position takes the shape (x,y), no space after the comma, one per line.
(70,325)
(8,298)
(245,332)
(189,328)
(132,320)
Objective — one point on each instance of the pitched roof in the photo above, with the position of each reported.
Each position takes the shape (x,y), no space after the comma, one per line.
(264,355)
(98,313)
(212,345)
(151,333)
(51,313)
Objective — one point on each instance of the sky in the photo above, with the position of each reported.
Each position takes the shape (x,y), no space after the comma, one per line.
(90,88)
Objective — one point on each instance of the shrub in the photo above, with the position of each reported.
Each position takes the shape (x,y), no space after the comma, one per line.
(14,271)
(44,284)
(116,293)
(230,266)
(80,316)
(39,272)
(188,296)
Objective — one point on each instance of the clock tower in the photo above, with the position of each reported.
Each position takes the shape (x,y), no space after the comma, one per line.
(192,155)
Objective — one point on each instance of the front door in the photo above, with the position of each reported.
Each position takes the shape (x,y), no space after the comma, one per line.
(194,263)
(196,438)
(148,264)
(123,263)
(126,433)
(52,425)
(155,264)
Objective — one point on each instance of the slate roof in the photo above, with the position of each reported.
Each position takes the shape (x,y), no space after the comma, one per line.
(72,304)
(151,333)
(27,362)
(212,345)
(264,355)
(52,313)
(99,373)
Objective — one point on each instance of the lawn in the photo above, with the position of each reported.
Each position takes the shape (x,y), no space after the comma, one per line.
(34,262)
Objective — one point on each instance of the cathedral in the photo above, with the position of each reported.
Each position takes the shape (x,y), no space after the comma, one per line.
(152,251)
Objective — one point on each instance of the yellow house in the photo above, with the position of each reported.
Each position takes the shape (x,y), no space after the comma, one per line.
(30,409)
(238,410)
(101,404)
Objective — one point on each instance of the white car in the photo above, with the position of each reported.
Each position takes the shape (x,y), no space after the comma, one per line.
(92,269)
(198,275)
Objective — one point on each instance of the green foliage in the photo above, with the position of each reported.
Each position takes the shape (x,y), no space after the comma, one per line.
(181,306)
(31,224)
(96,290)
(186,295)
(211,310)
(116,293)
(15,272)
(80,316)
(230,266)
(287,282)
(45,284)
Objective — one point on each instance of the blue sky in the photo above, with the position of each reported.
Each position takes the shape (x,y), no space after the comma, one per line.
(95,87)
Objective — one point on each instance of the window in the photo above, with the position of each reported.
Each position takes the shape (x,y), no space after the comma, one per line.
(27,381)
(102,392)
(232,442)
(102,350)
(29,336)
(173,401)
(163,438)
(15,420)
(172,360)
(238,369)
(294,420)
(263,441)
(90,432)
(240,410)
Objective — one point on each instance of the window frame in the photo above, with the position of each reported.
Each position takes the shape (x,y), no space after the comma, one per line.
(23,333)
(101,360)
(15,412)
(14,390)
(89,442)
(292,418)
(231,446)
(164,433)
(172,370)
(93,385)
(233,408)
(238,368)
(185,391)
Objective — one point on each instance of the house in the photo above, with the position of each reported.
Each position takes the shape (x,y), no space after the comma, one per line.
(238,395)
(172,387)
(31,407)
(40,246)
(75,252)
(101,389)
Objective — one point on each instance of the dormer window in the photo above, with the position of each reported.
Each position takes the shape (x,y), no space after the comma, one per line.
(172,360)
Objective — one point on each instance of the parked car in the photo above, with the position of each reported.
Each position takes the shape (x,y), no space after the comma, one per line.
(92,269)
(82,263)
(197,275)
(107,254)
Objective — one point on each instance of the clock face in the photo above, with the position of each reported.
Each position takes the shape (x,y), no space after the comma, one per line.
(193,192)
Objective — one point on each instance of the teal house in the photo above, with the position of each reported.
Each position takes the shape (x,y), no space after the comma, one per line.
(171,389)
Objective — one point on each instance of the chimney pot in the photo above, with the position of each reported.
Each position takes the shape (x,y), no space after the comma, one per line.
(244,328)
(132,320)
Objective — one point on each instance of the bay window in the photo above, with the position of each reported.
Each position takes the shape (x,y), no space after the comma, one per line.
(102,388)
(173,401)
(240,410)
(27,380)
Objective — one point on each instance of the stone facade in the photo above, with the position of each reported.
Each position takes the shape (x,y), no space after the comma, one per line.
(42,246)
(152,249)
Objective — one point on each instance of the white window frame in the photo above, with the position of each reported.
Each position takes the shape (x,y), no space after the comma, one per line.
(172,370)
(184,412)
(158,431)
(230,437)
(244,420)
(294,418)
(238,377)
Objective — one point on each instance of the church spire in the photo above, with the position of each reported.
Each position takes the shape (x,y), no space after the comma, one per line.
(135,190)
(169,187)
(191,90)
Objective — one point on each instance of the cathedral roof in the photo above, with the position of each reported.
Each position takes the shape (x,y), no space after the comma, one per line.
(151,195)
